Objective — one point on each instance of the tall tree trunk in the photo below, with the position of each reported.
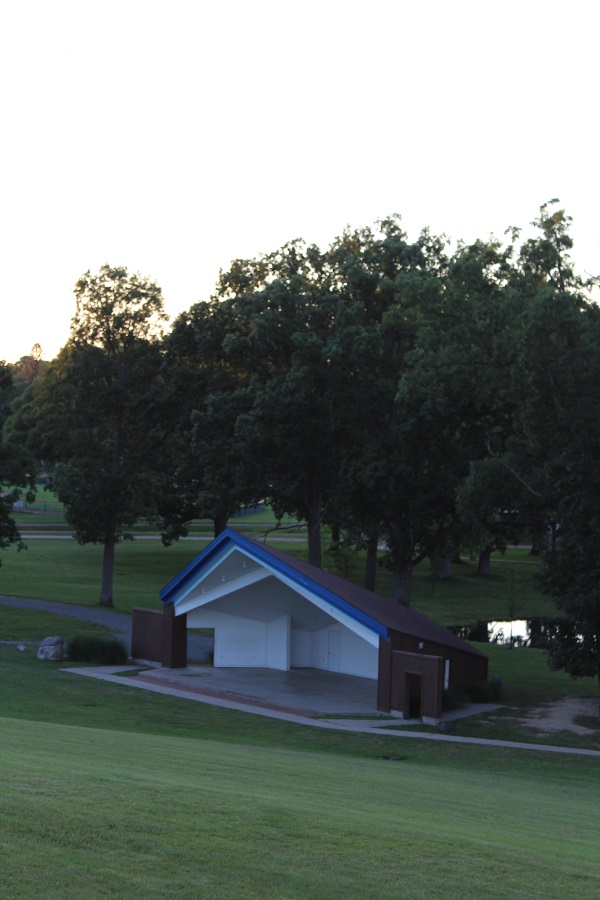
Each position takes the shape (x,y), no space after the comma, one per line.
(444,570)
(371,562)
(108,568)
(403,583)
(312,499)
(539,536)
(484,566)
(402,548)
(335,536)
(314,539)
(219,523)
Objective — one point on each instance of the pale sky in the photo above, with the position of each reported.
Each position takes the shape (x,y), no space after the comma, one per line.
(172,137)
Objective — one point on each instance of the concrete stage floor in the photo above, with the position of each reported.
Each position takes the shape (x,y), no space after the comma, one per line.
(308,692)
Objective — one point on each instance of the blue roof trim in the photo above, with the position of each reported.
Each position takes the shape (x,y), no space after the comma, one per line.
(167,595)
(194,565)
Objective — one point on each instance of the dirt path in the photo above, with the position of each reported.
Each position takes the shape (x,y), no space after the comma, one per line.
(560,715)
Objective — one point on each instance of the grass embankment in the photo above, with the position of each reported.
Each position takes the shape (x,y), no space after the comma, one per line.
(112,791)
(100,813)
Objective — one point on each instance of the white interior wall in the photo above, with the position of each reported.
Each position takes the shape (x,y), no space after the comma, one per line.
(239,642)
(358,657)
(301,653)
(262,641)
(337,649)
(277,639)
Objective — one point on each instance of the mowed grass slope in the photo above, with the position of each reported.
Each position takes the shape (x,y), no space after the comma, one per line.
(90,813)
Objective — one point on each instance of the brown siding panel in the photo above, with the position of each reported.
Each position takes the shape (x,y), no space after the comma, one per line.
(174,639)
(465,668)
(147,634)
(384,675)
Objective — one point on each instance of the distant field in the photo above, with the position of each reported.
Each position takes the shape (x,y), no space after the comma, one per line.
(71,573)
(58,569)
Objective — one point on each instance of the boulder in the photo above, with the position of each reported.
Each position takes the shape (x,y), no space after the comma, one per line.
(51,648)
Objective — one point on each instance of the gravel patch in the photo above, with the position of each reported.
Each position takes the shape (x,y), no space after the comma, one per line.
(560,715)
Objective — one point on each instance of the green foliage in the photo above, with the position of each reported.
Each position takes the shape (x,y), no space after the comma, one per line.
(570,576)
(104,651)
(17,469)
(484,692)
(410,398)
(97,411)
(115,310)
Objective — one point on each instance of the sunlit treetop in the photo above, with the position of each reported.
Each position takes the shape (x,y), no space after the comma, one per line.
(116,308)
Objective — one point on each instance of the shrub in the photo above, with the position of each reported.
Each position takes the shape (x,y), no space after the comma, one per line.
(454,700)
(102,650)
(484,692)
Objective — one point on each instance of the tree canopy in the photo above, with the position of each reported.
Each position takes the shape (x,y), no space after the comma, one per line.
(97,411)
(415,400)
(17,473)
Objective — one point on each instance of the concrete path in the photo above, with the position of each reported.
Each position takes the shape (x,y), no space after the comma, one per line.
(362,726)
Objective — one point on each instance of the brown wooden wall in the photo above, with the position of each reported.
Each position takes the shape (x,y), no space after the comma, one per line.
(409,667)
(147,634)
(417,685)
(174,639)
(465,668)
(159,636)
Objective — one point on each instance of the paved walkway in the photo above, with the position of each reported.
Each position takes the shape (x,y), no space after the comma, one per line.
(151,681)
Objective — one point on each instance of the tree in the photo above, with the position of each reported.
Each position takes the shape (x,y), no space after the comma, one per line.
(571,576)
(489,519)
(383,282)
(553,446)
(16,472)
(97,410)
(422,379)
(568,424)
(204,396)
(278,313)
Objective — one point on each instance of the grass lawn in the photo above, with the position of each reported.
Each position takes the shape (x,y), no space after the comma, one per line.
(27,625)
(110,791)
(64,571)
(103,813)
